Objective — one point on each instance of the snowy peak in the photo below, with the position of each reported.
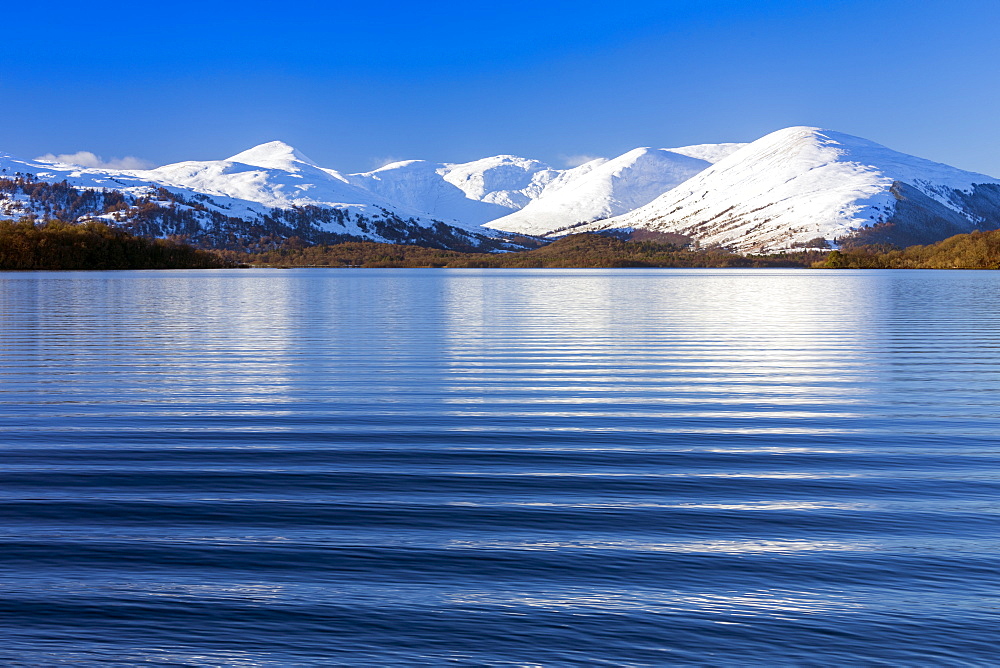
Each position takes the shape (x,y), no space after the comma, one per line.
(402,164)
(507,180)
(273,155)
(652,162)
(473,192)
(802,183)
(803,148)
(421,186)
(601,189)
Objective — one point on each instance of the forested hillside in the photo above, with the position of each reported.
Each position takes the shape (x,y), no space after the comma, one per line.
(59,245)
(576,251)
(93,245)
(976,250)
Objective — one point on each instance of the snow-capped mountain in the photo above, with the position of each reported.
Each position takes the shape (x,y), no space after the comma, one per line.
(270,190)
(788,189)
(81,177)
(272,174)
(506,180)
(473,192)
(799,184)
(275,190)
(601,189)
(277,175)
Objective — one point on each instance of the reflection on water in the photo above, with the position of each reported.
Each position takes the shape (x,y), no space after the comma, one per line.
(600,348)
(322,467)
(716,546)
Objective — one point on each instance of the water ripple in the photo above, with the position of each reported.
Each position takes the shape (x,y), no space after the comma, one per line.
(503,468)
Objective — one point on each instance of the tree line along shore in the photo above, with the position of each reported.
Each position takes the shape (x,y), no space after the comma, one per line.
(56,245)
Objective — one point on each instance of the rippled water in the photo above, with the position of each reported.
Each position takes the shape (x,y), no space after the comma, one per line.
(503,468)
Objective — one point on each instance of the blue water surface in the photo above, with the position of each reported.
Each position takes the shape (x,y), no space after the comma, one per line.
(500,468)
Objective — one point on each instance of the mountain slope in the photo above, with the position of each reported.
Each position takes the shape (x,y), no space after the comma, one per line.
(596,191)
(801,183)
(422,186)
(507,180)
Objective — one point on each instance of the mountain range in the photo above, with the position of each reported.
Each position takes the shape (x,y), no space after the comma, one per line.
(795,188)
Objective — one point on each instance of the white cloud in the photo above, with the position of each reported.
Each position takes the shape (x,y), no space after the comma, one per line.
(379,163)
(577,160)
(88,159)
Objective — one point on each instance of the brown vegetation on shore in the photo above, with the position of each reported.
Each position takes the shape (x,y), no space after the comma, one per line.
(976,250)
(575,251)
(92,245)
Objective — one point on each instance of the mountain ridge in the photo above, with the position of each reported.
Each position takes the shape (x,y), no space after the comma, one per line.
(611,188)
(785,190)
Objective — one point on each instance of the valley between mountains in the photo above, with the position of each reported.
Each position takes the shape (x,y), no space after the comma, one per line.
(798,188)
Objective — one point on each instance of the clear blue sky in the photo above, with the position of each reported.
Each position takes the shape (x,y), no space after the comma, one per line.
(354,83)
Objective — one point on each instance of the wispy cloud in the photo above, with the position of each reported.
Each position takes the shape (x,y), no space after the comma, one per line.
(577,160)
(378,163)
(88,159)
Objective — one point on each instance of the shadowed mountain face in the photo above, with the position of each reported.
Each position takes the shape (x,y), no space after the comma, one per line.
(983,201)
(919,219)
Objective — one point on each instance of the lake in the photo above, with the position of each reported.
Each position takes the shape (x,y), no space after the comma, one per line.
(499,467)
